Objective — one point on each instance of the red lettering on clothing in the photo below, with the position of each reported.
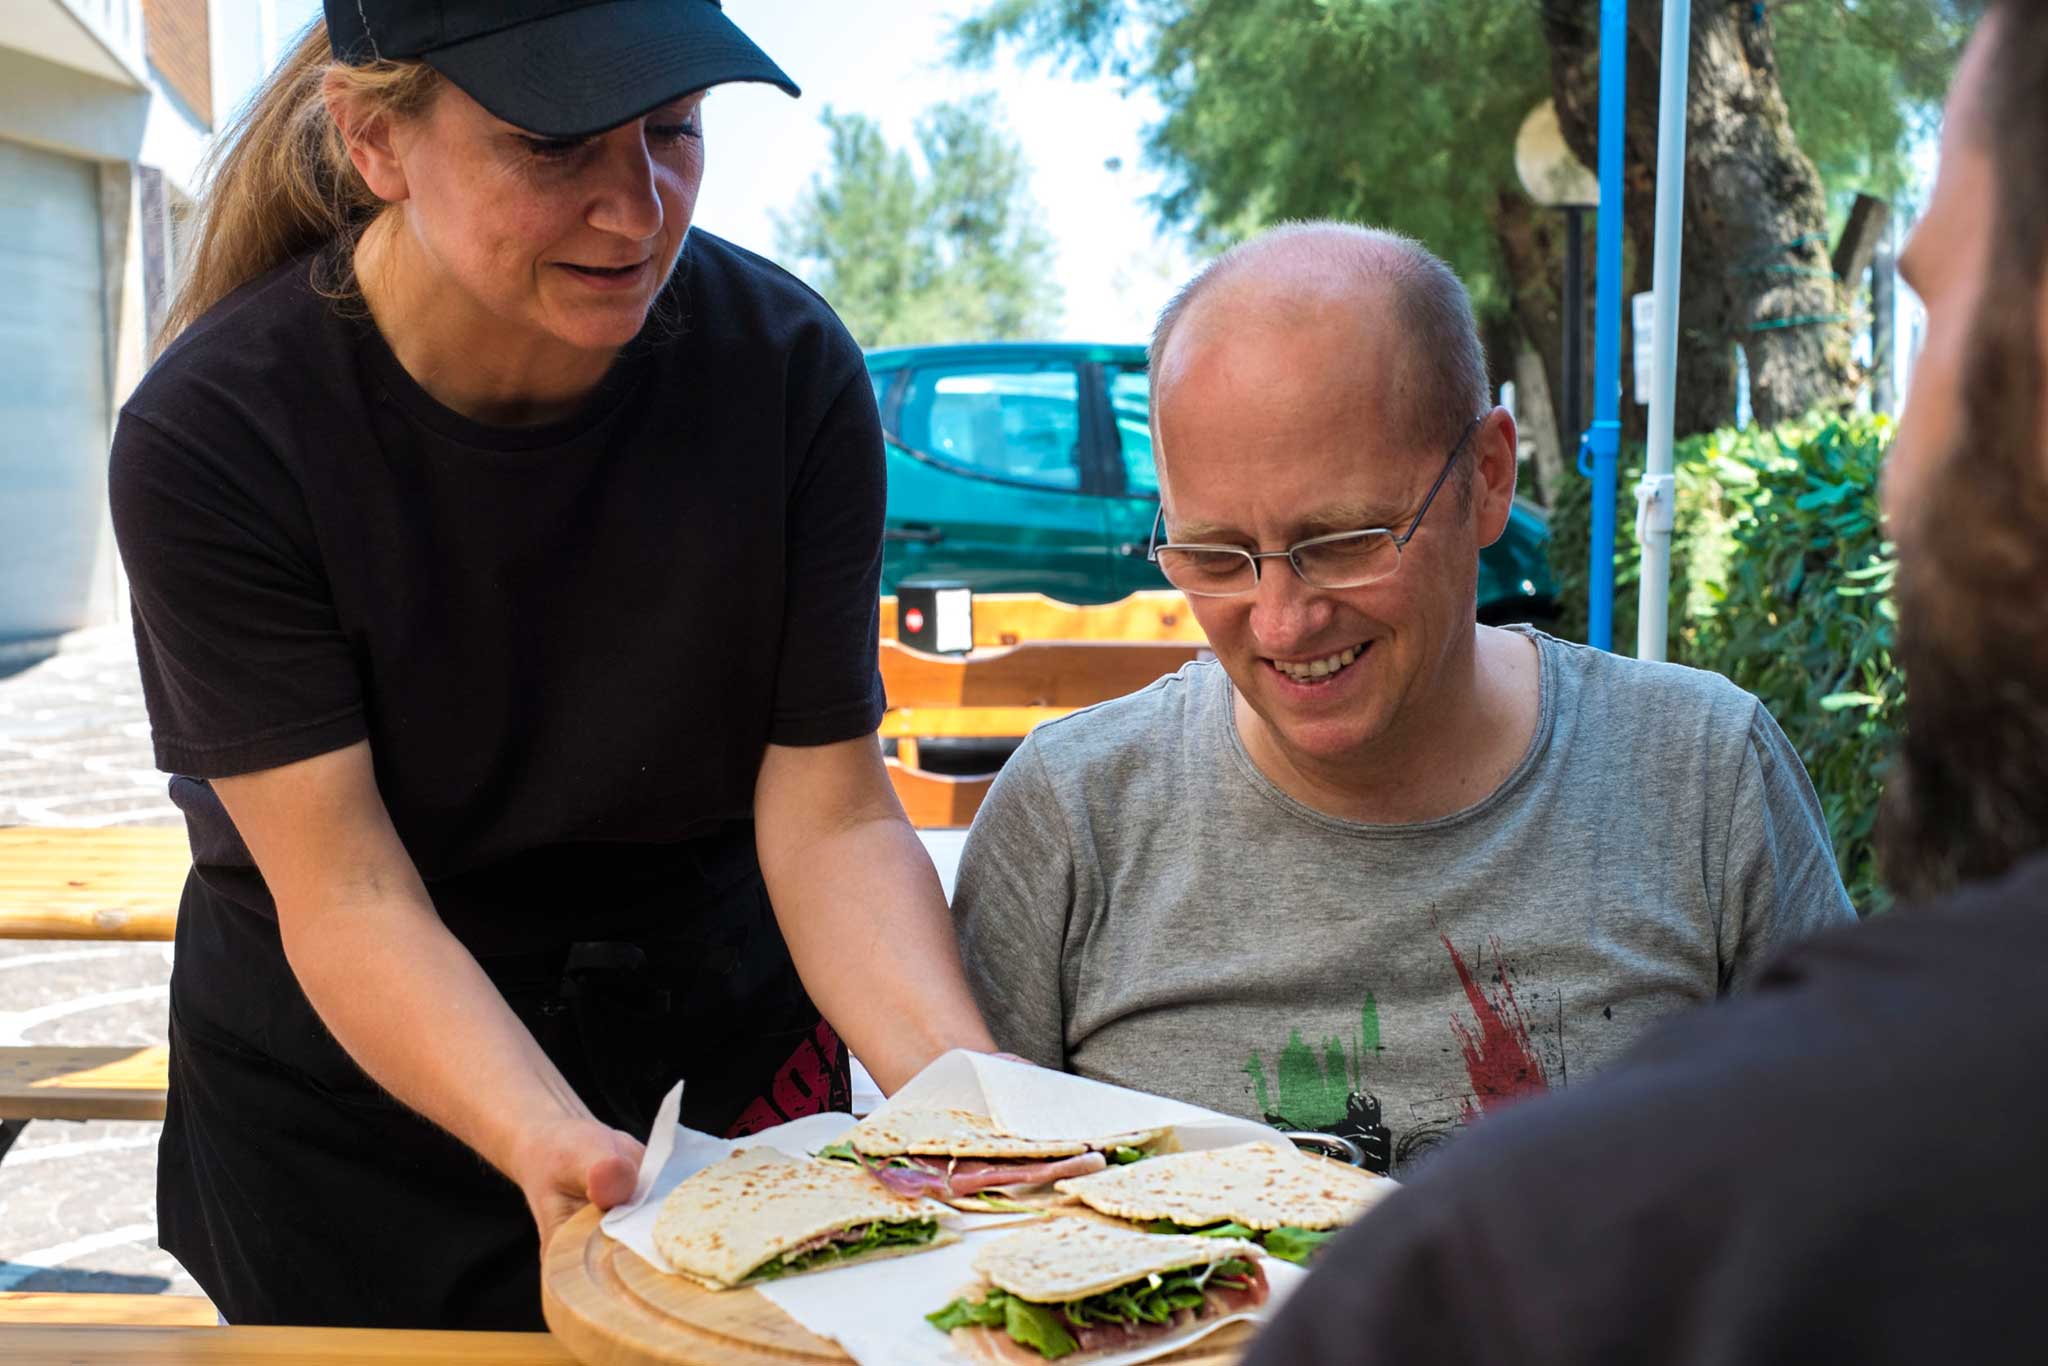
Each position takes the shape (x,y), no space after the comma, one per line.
(803,1086)
(758,1115)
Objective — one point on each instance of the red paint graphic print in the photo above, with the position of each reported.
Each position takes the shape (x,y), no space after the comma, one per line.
(1500,1054)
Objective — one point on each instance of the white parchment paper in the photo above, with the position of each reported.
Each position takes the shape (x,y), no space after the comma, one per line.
(875,1310)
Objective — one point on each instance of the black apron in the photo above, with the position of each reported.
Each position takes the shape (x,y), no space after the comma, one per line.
(295,1191)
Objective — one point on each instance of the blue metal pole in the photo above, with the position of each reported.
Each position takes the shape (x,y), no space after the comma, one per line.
(1603,440)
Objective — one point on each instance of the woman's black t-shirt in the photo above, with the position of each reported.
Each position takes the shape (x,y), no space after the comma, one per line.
(566,644)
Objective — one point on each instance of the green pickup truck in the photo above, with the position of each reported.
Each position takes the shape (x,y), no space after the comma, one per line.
(1026,467)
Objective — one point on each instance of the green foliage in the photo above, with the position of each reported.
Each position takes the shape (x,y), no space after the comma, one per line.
(1781,580)
(1404,115)
(1806,622)
(1857,117)
(954,253)
(1715,475)
(1398,114)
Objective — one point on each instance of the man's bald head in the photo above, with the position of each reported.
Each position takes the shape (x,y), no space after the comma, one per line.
(1389,290)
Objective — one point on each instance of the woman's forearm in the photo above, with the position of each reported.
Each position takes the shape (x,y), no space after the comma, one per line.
(861,908)
(415,1011)
(866,922)
(403,996)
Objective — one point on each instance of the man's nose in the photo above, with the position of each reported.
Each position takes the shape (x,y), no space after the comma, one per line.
(1286,613)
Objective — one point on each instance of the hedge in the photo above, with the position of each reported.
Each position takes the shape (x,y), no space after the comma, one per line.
(1781,579)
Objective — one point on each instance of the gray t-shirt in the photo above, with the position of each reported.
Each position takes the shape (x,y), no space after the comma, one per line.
(1137,902)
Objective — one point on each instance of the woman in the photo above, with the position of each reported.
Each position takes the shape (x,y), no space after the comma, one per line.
(504,560)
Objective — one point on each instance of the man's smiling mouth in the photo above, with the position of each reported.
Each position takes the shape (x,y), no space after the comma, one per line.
(1319,670)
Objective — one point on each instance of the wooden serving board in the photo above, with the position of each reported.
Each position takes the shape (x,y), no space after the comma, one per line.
(610,1308)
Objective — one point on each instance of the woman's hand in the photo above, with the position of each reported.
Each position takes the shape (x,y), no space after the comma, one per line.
(566,1163)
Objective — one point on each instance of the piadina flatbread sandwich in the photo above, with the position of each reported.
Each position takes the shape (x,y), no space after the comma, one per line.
(1263,1191)
(1070,1289)
(758,1215)
(968,1161)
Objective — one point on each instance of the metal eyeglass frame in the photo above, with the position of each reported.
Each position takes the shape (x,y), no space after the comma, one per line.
(1254,556)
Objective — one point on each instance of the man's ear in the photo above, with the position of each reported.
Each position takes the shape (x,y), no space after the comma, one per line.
(368,137)
(1495,448)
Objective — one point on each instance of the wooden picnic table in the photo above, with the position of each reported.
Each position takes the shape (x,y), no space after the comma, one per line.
(116,882)
(35,1344)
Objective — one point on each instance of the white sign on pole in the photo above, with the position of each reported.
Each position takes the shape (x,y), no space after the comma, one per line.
(1642,327)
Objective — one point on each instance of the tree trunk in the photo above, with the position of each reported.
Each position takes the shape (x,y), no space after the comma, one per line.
(1531,243)
(1754,269)
(1539,421)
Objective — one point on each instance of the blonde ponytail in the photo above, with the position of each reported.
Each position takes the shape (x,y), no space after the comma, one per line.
(280,182)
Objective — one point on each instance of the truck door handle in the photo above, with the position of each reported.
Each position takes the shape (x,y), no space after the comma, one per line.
(918,534)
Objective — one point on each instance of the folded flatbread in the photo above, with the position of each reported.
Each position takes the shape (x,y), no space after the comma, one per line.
(1253,1190)
(967,1160)
(1072,1289)
(760,1214)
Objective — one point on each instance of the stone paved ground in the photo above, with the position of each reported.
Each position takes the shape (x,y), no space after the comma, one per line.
(78,1201)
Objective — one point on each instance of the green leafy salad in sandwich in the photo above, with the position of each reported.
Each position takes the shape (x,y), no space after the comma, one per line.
(1261,1192)
(759,1215)
(1288,1243)
(1073,1289)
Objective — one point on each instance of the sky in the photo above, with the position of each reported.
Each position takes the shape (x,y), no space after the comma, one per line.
(887,59)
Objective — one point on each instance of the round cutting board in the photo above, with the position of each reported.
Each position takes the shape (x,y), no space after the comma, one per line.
(610,1308)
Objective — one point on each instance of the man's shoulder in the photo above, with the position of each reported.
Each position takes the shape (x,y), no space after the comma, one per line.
(1644,683)
(1932,992)
(1155,730)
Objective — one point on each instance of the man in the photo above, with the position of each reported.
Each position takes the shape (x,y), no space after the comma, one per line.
(1377,869)
(1848,1165)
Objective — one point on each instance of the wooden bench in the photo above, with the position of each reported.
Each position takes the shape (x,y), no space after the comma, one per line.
(1003,619)
(1034,660)
(162,1311)
(58,1081)
(129,1344)
(117,882)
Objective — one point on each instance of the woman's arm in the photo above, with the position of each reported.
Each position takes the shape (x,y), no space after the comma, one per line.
(861,908)
(403,995)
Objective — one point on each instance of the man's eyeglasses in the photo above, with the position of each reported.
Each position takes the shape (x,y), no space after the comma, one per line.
(1346,559)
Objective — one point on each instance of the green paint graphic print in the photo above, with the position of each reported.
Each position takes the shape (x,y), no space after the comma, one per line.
(1328,1093)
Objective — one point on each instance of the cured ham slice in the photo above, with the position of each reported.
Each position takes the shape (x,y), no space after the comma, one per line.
(911,1181)
(952,1179)
(972,1176)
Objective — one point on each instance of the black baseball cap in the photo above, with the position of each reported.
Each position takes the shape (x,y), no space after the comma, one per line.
(559,68)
